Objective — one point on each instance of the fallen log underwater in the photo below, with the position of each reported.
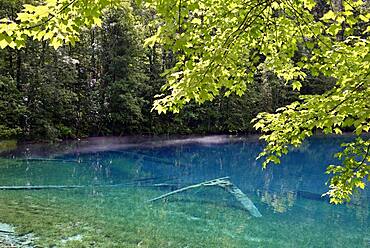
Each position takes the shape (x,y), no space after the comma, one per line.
(40,187)
(48,160)
(224,183)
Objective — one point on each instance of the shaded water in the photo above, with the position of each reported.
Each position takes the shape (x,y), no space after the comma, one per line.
(121,175)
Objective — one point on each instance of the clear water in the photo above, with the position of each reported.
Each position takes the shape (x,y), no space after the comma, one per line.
(120,176)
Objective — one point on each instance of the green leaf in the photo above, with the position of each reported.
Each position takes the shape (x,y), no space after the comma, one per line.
(330,15)
(296,85)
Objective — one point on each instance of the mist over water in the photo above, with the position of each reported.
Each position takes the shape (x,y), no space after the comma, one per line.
(99,144)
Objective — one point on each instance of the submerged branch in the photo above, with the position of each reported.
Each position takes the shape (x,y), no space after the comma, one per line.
(207,183)
(226,184)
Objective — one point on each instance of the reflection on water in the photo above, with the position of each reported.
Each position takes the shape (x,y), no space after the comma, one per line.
(280,202)
(288,195)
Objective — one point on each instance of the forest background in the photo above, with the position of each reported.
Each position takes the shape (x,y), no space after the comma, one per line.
(106,83)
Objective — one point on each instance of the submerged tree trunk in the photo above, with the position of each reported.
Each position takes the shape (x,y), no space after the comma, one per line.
(226,184)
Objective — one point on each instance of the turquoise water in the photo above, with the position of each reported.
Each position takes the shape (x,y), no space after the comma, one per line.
(120,175)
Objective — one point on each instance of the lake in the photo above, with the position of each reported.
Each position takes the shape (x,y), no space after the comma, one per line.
(95,192)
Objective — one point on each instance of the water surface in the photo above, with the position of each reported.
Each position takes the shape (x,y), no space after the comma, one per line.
(120,175)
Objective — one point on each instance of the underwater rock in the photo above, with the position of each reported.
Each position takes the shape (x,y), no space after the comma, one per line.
(77,237)
(5,228)
(8,238)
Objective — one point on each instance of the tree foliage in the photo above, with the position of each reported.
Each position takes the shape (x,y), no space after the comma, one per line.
(11,108)
(223,44)
(58,21)
(105,85)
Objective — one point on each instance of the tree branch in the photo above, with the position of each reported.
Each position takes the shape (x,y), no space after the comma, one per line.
(51,16)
